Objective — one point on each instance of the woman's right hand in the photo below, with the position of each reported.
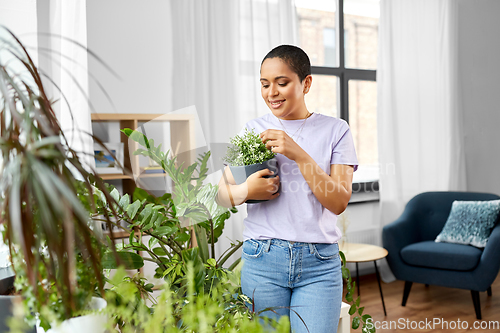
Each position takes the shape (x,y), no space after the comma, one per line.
(260,188)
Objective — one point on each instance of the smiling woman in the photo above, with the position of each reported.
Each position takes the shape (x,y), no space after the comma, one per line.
(283,89)
(290,250)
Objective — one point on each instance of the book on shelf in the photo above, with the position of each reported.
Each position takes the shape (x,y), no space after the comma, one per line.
(153,169)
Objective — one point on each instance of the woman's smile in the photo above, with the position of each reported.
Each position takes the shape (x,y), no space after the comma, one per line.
(282,90)
(277,104)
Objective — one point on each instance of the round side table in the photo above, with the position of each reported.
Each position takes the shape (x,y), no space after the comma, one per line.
(356,253)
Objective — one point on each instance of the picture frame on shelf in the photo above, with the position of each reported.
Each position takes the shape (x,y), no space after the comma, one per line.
(104,162)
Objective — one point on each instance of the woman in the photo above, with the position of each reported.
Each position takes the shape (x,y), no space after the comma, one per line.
(290,251)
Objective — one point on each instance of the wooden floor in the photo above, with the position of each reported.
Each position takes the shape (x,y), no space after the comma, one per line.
(432,304)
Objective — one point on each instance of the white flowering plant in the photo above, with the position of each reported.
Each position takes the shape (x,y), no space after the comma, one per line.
(247,149)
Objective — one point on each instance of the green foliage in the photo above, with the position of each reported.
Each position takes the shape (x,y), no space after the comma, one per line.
(130,260)
(56,257)
(355,304)
(247,149)
(54,310)
(168,221)
(222,310)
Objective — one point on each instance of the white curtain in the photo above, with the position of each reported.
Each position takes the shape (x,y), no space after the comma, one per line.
(420,134)
(62,42)
(218,46)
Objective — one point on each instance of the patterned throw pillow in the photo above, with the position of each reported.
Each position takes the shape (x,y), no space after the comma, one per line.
(470,222)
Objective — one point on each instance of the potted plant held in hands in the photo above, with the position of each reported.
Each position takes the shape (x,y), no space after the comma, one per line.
(247,155)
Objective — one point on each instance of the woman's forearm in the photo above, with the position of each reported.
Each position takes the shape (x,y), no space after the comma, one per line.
(230,195)
(332,191)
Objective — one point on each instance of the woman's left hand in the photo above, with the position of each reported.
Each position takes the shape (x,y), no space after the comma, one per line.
(279,142)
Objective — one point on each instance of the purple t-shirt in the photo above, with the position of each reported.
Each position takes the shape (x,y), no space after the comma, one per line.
(296,214)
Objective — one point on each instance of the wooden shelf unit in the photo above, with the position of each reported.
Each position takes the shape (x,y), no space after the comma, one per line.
(182,140)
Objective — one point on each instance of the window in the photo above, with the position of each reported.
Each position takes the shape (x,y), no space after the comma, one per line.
(340,36)
(329,44)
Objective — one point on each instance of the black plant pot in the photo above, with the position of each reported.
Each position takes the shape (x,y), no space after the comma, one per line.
(241,173)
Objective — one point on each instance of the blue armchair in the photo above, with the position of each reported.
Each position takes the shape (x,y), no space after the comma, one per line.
(414,256)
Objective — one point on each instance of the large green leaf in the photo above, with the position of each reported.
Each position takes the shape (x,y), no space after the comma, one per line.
(140,194)
(133,208)
(146,212)
(129,260)
(159,220)
(165,231)
(355,323)
(124,201)
(207,196)
(115,195)
(201,238)
(182,237)
(159,251)
(192,255)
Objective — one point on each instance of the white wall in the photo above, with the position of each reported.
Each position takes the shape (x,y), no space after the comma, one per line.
(134,38)
(479,54)
(25,30)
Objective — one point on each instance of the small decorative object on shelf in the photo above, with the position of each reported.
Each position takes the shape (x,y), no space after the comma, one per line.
(247,155)
(104,161)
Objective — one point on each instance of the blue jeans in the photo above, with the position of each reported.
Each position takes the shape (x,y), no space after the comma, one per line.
(295,278)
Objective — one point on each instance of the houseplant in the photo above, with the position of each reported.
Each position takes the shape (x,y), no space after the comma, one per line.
(246,155)
(56,256)
(215,312)
(169,219)
(194,278)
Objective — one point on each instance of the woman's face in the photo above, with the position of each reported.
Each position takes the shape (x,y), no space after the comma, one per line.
(282,90)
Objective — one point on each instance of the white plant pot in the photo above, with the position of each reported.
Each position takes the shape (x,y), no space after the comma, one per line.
(92,323)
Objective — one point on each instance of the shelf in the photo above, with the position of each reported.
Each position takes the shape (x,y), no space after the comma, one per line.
(113,176)
(182,141)
(140,117)
(152,175)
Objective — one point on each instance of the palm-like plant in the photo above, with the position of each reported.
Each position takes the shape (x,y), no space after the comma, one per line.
(46,226)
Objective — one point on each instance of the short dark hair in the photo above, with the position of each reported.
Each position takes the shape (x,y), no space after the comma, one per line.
(294,57)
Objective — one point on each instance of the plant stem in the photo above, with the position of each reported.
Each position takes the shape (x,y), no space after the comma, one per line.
(151,253)
(160,239)
(165,249)
(212,237)
(235,248)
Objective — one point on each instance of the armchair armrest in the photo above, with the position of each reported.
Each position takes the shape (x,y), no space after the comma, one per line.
(402,232)
(490,260)
(397,235)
